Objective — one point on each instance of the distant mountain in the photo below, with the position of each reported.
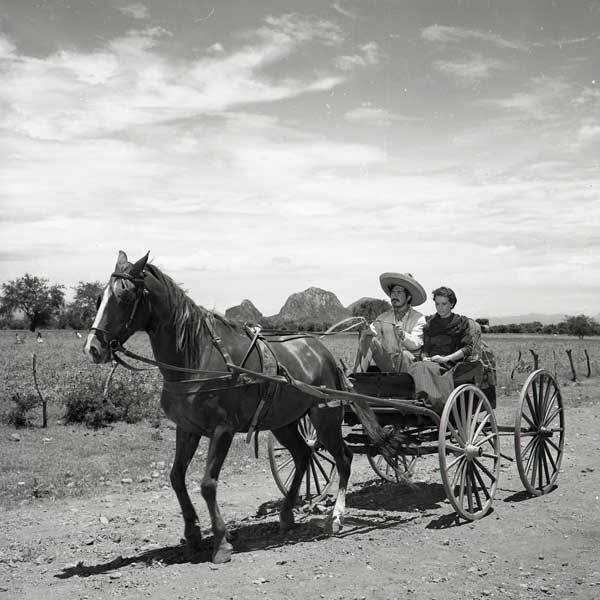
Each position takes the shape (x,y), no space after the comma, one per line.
(313,304)
(528,318)
(245,312)
(357,302)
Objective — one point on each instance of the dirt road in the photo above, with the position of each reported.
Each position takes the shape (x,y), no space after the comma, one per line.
(397,542)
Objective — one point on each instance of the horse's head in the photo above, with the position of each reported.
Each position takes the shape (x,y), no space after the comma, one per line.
(121,309)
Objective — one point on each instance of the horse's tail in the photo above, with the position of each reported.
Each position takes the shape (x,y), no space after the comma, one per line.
(389,442)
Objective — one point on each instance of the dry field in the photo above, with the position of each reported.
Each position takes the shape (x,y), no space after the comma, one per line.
(90,514)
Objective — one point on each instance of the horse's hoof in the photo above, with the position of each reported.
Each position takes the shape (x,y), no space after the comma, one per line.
(223,554)
(286,522)
(335,525)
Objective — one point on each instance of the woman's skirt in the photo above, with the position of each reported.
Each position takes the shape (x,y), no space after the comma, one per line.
(434,381)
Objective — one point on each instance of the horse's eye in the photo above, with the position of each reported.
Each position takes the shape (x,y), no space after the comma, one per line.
(126,297)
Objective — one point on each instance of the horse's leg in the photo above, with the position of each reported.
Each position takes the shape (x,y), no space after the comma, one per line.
(328,423)
(290,437)
(185,446)
(217,452)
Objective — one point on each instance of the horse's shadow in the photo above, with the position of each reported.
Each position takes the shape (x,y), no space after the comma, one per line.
(265,535)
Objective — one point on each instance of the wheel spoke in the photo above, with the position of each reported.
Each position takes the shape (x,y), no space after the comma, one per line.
(313,470)
(469,410)
(481,484)
(553,416)
(531,423)
(469,489)
(492,456)
(461,492)
(288,479)
(481,426)
(285,464)
(557,448)
(324,457)
(455,461)
(458,472)
(531,410)
(320,467)
(545,463)
(485,469)
(455,449)
(549,455)
(549,406)
(531,455)
(530,444)
(474,488)
(535,465)
(487,438)
(459,423)
(474,419)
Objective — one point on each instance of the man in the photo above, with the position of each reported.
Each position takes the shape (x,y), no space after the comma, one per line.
(394,339)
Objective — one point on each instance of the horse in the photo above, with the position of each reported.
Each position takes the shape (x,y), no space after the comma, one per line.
(186,338)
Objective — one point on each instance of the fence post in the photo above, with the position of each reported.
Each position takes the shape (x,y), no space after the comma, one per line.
(42,399)
(536,359)
(555,365)
(589,368)
(512,373)
(572,365)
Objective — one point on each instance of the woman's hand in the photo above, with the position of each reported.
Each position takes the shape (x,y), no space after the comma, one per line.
(441,360)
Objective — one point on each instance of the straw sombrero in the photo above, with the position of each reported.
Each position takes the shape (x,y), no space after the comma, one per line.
(407,281)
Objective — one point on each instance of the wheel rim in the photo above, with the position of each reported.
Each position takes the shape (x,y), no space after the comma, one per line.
(469,452)
(539,433)
(394,470)
(321,471)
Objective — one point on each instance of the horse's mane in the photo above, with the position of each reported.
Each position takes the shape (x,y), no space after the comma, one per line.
(187,317)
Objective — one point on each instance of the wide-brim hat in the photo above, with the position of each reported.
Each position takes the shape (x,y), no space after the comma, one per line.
(408,282)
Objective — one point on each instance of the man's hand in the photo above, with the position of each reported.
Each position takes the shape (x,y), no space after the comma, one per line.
(399,331)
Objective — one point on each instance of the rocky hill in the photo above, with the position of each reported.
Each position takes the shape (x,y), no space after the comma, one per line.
(313,304)
(245,312)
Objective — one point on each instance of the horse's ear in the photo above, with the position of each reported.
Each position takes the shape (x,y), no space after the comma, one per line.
(139,266)
(121,261)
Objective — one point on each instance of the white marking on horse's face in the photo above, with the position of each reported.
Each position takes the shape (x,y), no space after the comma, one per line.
(92,340)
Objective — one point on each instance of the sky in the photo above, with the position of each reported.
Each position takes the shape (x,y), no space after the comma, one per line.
(259,148)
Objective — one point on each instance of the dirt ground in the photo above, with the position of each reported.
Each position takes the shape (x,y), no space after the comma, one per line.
(398,542)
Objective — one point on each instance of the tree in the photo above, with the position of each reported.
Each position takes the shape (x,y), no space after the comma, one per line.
(81,312)
(581,325)
(35,297)
(370,308)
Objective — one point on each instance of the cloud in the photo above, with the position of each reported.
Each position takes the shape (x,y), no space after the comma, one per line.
(589,133)
(129,83)
(343,10)
(543,98)
(136,10)
(368,55)
(369,114)
(452,35)
(474,68)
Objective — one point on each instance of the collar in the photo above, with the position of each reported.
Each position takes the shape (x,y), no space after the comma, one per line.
(400,316)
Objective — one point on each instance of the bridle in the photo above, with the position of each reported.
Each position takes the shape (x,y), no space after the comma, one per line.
(115,343)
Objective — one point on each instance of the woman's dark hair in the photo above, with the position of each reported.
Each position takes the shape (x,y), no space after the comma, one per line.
(447,293)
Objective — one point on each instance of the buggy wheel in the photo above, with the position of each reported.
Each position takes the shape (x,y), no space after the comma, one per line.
(396,470)
(469,452)
(539,432)
(321,472)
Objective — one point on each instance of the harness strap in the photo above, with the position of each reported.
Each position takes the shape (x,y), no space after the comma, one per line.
(218,342)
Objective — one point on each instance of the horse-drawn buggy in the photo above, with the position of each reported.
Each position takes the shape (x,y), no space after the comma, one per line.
(215,384)
(465,435)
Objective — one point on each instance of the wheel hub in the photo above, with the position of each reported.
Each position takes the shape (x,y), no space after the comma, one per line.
(472,451)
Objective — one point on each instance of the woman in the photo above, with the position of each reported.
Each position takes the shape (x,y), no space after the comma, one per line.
(447,341)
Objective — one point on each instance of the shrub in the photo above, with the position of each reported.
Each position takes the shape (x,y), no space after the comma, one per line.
(86,404)
(129,399)
(18,414)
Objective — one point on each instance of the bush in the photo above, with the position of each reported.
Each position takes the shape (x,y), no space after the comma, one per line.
(128,399)
(18,414)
